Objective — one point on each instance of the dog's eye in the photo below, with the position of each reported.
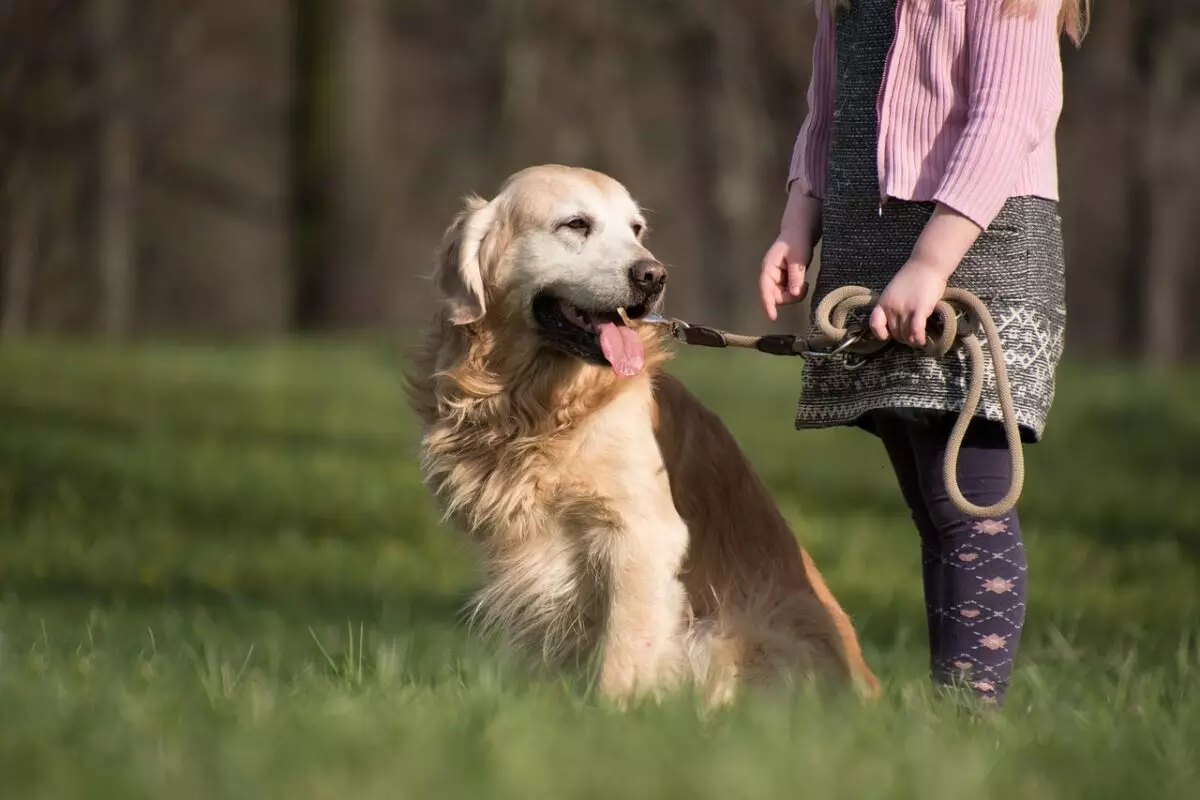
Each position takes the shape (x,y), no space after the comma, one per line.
(581,224)
(638,228)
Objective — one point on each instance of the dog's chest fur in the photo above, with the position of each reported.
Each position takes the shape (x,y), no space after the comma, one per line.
(513,486)
(616,453)
(551,517)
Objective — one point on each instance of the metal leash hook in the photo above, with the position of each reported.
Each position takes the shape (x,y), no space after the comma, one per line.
(854,361)
(677,326)
(660,320)
(850,361)
(851,339)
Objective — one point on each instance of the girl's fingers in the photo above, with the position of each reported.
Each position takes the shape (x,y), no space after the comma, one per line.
(878,324)
(916,330)
(771,295)
(776,272)
(767,283)
(897,329)
(795,273)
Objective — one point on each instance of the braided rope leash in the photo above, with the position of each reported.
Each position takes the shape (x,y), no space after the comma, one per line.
(834,338)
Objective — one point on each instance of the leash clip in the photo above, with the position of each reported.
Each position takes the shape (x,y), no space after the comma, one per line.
(677,326)
(849,340)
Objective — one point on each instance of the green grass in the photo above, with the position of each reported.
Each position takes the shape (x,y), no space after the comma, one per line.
(220,577)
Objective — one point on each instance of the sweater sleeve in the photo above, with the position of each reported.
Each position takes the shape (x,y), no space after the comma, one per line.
(1011,58)
(810,154)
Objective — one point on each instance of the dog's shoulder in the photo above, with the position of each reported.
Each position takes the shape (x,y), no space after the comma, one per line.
(698,449)
(678,411)
(669,391)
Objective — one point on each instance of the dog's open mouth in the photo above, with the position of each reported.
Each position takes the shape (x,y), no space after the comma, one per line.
(598,336)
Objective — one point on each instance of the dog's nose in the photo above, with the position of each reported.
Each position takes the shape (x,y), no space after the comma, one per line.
(648,275)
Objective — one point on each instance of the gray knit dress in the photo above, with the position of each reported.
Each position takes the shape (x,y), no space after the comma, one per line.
(1015,267)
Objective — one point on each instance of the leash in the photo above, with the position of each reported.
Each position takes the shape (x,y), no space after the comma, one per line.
(960,317)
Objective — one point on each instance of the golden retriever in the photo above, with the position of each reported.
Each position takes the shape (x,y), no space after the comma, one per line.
(613,513)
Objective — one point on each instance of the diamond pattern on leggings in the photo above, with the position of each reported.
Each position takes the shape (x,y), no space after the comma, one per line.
(990,527)
(983,566)
(974,556)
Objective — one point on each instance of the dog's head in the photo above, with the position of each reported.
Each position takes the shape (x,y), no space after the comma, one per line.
(554,259)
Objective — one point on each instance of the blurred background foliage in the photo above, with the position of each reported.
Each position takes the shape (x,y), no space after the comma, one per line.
(236,169)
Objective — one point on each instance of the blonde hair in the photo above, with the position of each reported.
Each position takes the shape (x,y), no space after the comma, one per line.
(1073,18)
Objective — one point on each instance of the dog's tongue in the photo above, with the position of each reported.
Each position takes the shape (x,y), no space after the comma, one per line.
(622,347)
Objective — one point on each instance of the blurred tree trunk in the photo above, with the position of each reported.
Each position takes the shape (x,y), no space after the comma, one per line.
(1101,225)
(1171,165)
(732,150)
(309,158)
(521,71)
(353,285)
(117,166)
(215,225)
(743,141)
(696,60)
(21,235)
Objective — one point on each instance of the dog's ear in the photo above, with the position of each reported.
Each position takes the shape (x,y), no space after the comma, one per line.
(460,269)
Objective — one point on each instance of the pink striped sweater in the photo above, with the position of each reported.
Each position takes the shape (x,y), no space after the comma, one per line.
(967,110)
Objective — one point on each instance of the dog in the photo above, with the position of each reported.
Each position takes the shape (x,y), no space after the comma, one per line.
(614,515)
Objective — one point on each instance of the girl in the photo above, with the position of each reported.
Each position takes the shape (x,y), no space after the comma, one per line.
(927,159)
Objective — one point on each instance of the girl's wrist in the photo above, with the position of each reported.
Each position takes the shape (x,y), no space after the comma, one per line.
(801,222)
(945,241)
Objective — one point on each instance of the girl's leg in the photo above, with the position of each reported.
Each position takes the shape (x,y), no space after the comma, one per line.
(981,563)
(893,432)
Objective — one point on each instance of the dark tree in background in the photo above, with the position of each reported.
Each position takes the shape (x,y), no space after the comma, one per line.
(45,113)
(1168,63)
(116,162)
(236,168)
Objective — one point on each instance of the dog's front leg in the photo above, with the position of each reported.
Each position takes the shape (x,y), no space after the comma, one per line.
(643,648)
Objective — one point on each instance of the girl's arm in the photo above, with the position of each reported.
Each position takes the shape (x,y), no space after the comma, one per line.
(781,278)
(810,154)
(1010,109)
(1011,59)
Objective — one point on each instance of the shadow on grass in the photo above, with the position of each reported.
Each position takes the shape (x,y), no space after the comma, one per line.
(316,603)
(296,440)
(46,451)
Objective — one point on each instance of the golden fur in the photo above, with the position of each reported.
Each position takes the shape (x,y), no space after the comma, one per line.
(614,516)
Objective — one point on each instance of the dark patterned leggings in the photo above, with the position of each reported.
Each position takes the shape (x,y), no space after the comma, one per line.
(973,570)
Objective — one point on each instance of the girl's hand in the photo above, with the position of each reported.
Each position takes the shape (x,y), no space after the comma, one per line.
(781,275)
(907,303)
(781,280)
